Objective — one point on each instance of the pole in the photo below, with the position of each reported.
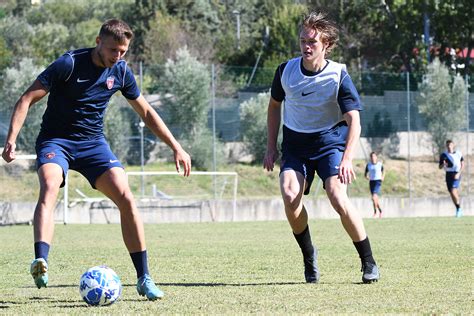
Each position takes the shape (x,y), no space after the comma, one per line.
(66,199)
(467,134)
(213,104)
(142,149)
(142,158)
(408,137)
(237,17)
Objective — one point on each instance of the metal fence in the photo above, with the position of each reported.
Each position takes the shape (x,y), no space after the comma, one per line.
(391,125)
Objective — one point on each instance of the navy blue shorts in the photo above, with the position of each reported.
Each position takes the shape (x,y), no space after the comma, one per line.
(310,153)
(375,186)
(91,158)
(452,183)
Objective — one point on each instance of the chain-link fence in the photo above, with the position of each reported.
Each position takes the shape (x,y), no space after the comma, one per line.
(392,125)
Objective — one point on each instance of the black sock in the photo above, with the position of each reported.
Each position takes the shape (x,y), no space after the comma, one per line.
(304,241)
(364,250)
(457,205)
(140,262)
(41,250)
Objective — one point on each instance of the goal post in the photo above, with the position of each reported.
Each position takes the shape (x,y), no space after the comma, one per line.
(200,185)
(166,195)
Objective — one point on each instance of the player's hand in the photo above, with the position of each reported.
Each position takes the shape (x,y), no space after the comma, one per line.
(8,153)
(182,158)
(346,172)
(457,176)
(269,160)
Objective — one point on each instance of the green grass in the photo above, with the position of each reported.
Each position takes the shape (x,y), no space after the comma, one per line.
(252,267)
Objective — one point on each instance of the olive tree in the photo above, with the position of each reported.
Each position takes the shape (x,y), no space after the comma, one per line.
(442,103)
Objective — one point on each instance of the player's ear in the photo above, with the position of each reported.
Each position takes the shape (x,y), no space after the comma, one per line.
(97,40)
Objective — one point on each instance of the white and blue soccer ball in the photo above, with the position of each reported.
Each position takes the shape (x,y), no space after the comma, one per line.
(100,286)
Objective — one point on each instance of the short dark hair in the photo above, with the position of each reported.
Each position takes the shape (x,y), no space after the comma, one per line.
(320,22)
(449,142)
(373,153)
(118,29)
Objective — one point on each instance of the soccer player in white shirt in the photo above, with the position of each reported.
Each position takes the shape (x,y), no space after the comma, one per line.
(321,127)
(375,173)
(453,163)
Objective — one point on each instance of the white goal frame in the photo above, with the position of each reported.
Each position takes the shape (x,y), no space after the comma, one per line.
(196,173)
(157,173)
(66,201)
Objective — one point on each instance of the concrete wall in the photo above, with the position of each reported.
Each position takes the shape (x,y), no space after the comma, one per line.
(247,210)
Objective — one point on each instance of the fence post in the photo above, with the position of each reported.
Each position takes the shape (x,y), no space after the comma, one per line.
(213,104)
(142,145)
(66,199)
(467,134)
(408,137)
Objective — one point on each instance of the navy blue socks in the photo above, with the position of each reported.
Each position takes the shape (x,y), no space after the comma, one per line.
(304,241)
(41,250)
(364,250)
(140,262)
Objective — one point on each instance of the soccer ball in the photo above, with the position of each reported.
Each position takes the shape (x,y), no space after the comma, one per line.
(100,286)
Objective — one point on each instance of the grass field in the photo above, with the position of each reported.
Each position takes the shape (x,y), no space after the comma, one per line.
(253,267)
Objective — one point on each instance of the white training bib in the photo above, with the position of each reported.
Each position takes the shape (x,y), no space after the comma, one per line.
(311,101)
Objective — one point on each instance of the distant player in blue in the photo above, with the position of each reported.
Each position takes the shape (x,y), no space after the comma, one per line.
(375,174)
(80,84)
(321,127)
(453,163)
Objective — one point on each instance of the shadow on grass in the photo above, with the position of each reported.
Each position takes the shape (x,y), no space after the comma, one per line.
(8,304)
(220,284)
(51,286)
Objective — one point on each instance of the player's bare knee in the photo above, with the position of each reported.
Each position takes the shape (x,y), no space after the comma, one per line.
(291,199)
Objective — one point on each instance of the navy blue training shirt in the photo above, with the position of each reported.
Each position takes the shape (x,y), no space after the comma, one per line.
(79,92)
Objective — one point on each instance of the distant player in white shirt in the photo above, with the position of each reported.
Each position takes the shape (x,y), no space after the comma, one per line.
(321,127)
(375,173)
(453,163)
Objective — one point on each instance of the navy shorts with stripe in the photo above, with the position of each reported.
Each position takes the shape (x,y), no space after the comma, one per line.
(313,153)
(375,186)
(91,158)
(452,183)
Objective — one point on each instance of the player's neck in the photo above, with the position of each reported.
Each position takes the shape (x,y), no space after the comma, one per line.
(314,66)
(97,59)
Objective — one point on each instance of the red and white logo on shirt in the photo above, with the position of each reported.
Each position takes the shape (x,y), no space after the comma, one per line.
(110,82)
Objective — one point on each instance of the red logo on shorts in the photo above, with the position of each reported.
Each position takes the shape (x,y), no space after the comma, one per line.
(49,155)
(110,82)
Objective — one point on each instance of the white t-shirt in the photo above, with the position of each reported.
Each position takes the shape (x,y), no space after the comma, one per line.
(374,170)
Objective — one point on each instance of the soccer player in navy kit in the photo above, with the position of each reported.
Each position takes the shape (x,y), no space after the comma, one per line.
(453,163)
(375,173)
(80,84)
(321,127)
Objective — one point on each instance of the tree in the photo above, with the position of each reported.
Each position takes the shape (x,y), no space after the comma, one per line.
(84,33)
(49,42)
(442,102)
(117,127)
(141,13)
(16,81)
(188,81)
(164,38)
(5,55)
(17,33)
(185,85)
(253,117)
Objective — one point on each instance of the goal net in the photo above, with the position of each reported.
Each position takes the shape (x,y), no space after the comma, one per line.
(161,196)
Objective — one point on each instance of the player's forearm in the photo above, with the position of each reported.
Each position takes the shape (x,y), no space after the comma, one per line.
(353,122)
(273,125)
(154,122)
(20,112)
